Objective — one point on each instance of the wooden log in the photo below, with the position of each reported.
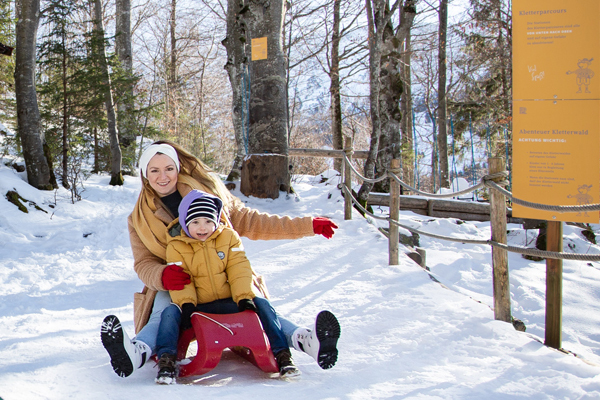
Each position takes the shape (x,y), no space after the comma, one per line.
(499,256)
(554,270)
(460,206)
(468,211)
(406,202)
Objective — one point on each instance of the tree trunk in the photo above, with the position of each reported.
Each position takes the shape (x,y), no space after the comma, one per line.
(65,127)
(334,89)
(442,138)
(236,67)
(408,156)
(390,95)
(28,114)
(375,39)
(115,149)
(126,122)
(385,70)
(172,77)
(268,101)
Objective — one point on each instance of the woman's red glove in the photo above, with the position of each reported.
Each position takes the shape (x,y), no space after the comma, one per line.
(324,226)
(173,277)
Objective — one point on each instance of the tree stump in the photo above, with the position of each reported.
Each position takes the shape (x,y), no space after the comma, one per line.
(265,175)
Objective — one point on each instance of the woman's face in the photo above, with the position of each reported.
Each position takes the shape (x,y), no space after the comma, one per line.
(162,174)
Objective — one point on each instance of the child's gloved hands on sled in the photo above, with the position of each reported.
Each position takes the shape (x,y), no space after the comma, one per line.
(246,304)
(186,316)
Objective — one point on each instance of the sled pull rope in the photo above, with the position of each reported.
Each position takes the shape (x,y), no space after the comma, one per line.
(216,322)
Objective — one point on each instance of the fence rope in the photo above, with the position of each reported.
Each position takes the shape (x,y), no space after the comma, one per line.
(539,206)
(488,181)
(513,249)
(362,178)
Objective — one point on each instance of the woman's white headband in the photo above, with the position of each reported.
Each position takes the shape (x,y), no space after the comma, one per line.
(151,152)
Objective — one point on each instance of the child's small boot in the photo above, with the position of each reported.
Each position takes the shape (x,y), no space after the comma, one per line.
(125,356)
(167,369)
(320,343)
(287,369)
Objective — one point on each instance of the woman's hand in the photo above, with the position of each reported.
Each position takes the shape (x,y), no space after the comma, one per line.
(324,226)
(173,277)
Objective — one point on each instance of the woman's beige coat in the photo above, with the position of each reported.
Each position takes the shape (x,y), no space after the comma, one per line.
(247,222)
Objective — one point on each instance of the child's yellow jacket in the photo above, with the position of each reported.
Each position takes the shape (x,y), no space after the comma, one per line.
(218,266)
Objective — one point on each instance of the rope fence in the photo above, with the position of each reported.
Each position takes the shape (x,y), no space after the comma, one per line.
(486,181)
(494,181)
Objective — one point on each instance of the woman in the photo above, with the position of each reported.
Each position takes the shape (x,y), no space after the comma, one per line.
(169,173)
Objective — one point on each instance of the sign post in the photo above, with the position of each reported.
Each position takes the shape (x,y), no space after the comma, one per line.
(556,122)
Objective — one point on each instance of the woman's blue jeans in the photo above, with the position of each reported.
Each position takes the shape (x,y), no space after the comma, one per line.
(168,331)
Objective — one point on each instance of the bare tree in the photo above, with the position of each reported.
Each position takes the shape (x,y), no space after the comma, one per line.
(265,173)
(237,68)
(125,106)
(408,158)
(115,149)
(385,75)
(28,114)
(442,137)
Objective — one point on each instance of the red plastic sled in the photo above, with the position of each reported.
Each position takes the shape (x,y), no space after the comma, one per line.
(216,332)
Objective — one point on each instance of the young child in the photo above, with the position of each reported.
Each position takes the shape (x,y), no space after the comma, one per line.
(221,282)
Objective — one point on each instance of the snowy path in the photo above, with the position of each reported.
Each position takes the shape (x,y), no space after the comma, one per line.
(403,335)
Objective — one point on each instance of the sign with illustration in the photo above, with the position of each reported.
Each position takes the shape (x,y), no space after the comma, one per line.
(556,149)
(556,106)
(556,49)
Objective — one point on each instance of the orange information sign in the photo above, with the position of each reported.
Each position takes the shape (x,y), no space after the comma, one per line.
(556,106)
(556,149)
(259,49)
(556,49)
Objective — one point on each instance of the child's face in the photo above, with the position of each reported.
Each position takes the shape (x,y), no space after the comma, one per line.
(201,228)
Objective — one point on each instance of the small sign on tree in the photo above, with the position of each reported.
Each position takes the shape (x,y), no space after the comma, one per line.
(259,49)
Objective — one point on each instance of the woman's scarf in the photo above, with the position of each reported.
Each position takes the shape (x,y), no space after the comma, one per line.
(151,230)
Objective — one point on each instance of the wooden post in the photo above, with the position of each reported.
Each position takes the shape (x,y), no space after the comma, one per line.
(348,179)
(394,214)
(499,256)
(554,268)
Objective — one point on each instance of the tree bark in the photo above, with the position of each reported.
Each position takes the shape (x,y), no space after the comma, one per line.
(442,138)
(28,114)
(268,100)
(172,78)
(124,54)
(65,126)
(334,89)
(235,43)
(115,149)
(408,157)
(385,85)
(375,39)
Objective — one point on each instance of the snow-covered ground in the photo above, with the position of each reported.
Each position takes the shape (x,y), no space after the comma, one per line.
(403,334)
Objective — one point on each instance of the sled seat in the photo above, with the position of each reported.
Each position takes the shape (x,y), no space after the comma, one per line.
(241,332)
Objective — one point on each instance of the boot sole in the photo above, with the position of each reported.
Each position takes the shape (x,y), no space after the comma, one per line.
(289,372)
(328,332)
(111,334)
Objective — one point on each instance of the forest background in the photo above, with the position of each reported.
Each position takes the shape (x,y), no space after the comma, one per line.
(425,81)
